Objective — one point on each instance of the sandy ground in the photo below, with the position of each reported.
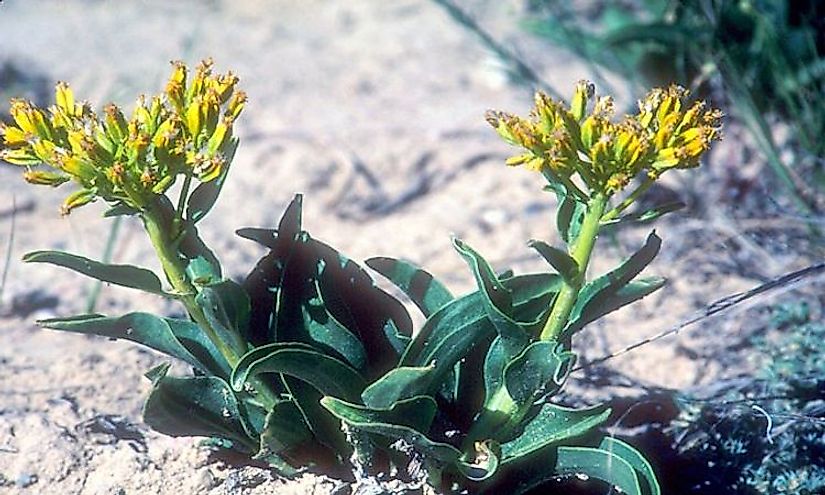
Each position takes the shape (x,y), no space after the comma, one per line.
(373,109)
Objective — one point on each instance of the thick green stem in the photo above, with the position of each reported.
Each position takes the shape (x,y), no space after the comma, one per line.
(501,413)
(582,248)
(173,267)
(163,236)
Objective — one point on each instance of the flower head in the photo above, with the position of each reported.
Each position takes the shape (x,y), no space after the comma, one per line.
(584,140)
(186,130)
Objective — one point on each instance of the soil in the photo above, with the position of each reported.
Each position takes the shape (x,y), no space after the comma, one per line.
(374,110)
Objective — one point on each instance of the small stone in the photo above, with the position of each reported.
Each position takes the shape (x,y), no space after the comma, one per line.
(205,481)
(25,480)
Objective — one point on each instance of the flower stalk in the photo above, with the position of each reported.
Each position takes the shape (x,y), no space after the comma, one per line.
(581,252)
(165,239)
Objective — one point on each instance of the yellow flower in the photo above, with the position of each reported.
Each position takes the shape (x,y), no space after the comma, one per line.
(129,160)
(584,141)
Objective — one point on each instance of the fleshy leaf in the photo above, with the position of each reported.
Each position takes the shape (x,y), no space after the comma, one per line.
(201,406)
(120,210)
(600,464)
(398,384)
(558,259)
(539,370)
(569,218)
(177,338)
(451,332)
(419,285)
(647,215)
(405,421)
(630,293)
(552,424)
(416,413)
(596,292)
(324,427)
(328,375)
(635,459)
(323,329)
(299,270)
(288,227)
(284,428)
(497,299)
(123,275)
(226,308)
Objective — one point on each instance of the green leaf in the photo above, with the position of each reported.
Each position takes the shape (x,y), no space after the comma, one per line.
(552,424)
(204,196)
(628,294)
(120,210)
(328,375)
(323,329)
(201,271)
(226,308)
(350,294)
(647,215)
(123,275)
(595,293)
(599,464)
(324,427)
(451,332)
(569,218)
(398,384)
(635,459)
(416,413)
(202,406)
(558,259)
(398,339)
(420,286)
(539,370)
(177,338)
(284,428)
(405,421)
(288,227)
(498,301)
(297,272)
(495,361)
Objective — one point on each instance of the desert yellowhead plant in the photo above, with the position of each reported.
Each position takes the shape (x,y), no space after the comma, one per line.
(307,362)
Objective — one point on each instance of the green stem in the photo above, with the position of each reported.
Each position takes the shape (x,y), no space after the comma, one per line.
(501,413)
(583,247)
(163,239)
(629,200)
(175,270)
(184,194)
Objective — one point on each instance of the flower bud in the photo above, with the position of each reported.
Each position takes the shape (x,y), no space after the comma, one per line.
(115,123)
(64,100)
(19,156)
(13,136)
(222,134)
(236,104)
(578,106)
(43,178)
(77,199)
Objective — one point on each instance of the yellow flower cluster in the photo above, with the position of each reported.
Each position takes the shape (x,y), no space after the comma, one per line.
(187,130)
(605,154)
